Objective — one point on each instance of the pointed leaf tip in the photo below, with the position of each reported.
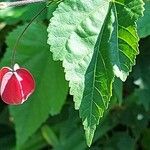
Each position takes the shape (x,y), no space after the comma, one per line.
(91,66)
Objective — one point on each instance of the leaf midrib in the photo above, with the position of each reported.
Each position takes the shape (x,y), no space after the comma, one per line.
(93,87)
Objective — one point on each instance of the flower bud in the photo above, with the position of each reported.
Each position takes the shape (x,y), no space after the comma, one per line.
(16,85)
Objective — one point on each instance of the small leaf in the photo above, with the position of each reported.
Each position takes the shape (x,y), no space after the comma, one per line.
(32,53)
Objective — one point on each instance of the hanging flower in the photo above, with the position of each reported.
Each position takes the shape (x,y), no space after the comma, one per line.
(16,85)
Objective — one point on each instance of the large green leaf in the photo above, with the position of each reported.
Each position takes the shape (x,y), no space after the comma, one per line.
(114,54)
(98,82)
(51,88)
(90,66)
(72,35)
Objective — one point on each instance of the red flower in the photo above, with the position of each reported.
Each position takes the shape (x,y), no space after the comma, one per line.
(16,85)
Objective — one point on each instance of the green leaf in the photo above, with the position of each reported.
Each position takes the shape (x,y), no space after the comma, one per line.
(32,10)
(69,131)
(91,66)
(51,8)
(35,142)
(12,15)
(72,35)
(144,22)
(114,54)
(51,88)
(98,79)
(120,141)
(49,135)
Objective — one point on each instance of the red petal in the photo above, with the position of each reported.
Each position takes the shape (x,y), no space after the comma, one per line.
(27,82)
(3,71)
(11,91)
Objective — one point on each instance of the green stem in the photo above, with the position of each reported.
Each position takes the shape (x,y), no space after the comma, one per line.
(20,36)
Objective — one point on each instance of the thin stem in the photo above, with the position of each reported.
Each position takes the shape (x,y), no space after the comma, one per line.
(18,3)
(18,39)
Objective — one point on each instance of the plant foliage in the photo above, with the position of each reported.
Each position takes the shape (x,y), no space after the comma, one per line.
(95,44)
